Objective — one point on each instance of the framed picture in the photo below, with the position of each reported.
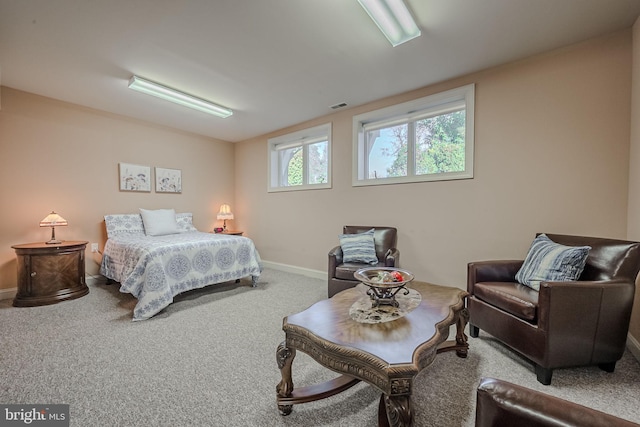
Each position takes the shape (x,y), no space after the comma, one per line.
(168,180)
(135,177)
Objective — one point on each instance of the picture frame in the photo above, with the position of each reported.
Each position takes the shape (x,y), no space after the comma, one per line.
(168,180)
(134,177)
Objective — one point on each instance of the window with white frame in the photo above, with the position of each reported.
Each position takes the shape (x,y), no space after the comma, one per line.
(428,139)
(301,160)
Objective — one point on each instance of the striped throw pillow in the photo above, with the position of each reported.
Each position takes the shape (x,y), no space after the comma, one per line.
(359,247)
(548,261)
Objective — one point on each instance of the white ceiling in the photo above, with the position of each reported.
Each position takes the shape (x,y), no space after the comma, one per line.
(274,62)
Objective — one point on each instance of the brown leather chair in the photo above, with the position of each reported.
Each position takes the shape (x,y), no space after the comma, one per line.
(502,404)
(341,274)
(578,323)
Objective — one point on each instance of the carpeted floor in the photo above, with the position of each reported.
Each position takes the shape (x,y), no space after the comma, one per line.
(209,360)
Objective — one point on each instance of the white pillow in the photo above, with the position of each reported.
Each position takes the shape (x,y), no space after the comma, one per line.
(159,222)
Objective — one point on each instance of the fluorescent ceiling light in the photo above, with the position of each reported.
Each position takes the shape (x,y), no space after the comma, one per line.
(181,98)
(393,19)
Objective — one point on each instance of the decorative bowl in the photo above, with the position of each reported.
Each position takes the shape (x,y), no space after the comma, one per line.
(371,276)
(382,286)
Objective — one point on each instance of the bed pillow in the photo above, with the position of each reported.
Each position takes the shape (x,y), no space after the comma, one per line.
(550,261)
(124,225)
(159,222)
(358,247)
(185,222)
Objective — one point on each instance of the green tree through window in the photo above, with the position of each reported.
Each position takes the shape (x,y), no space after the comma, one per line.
(425,139)
(317,165)
(294,170)
(439,145)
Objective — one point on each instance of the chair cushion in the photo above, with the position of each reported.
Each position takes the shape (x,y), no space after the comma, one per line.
(514,298)
(550,261)
(345,271)
(358,247)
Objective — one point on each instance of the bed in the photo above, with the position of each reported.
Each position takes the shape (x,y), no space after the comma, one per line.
(155,268)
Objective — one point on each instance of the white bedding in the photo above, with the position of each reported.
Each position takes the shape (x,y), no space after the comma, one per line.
(155,269)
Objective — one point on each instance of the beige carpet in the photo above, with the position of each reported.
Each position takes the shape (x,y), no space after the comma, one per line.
(209,360)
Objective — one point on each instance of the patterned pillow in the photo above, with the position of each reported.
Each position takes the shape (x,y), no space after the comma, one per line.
(358,247)
(131,224)
(185,222)
(124,225)
(550,261)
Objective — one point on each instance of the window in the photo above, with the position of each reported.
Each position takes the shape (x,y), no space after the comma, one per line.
(429,139)
(301,160)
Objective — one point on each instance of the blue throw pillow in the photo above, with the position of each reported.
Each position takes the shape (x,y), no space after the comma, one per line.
(359,247)
(548,261)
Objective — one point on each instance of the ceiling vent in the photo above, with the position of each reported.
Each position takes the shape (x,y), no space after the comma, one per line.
(340,105)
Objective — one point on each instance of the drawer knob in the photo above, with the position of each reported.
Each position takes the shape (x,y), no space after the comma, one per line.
(33,274)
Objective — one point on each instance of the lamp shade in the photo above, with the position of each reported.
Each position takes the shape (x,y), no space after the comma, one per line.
(53,220)
(225,212)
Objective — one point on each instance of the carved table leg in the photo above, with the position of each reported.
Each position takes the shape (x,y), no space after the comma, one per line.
(395,411)
(461,337)
(284,358)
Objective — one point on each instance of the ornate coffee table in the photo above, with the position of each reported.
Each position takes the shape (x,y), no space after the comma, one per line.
(386,355)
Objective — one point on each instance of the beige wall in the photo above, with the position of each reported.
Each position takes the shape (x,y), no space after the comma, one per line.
(55,155)
(633,229)
(551,154)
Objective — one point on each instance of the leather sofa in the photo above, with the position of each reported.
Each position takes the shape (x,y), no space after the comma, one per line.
(565,324)
(340,274)
(502,404)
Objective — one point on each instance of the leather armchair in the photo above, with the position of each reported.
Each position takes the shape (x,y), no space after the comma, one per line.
(577,323)
(341,274)
(502,404)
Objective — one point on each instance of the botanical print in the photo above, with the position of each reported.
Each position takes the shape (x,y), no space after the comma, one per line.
(135,177)
(168,180)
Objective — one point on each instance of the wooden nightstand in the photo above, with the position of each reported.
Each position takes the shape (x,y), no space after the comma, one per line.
(48,274)
(232,232)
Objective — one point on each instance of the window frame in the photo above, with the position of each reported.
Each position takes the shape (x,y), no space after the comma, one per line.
(428,106)
(302,138)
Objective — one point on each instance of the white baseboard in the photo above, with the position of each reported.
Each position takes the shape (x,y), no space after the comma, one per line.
(315,274)
(8,293)
(634,346)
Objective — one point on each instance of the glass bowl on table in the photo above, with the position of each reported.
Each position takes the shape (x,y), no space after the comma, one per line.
(384,283)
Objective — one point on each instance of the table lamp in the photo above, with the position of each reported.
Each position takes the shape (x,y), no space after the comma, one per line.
(53,220)
(225,214)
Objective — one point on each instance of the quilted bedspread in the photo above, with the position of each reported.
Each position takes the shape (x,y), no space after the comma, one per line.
(155,269)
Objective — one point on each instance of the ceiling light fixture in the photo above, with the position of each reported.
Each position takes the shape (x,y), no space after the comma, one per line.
(181,98)
(393,18)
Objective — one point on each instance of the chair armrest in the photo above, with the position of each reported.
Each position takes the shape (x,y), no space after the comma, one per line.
(500,403)
(335,259)
(392,258)
(492,271)
(585,307)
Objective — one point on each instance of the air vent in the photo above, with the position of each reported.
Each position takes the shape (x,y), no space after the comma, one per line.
(340,105)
